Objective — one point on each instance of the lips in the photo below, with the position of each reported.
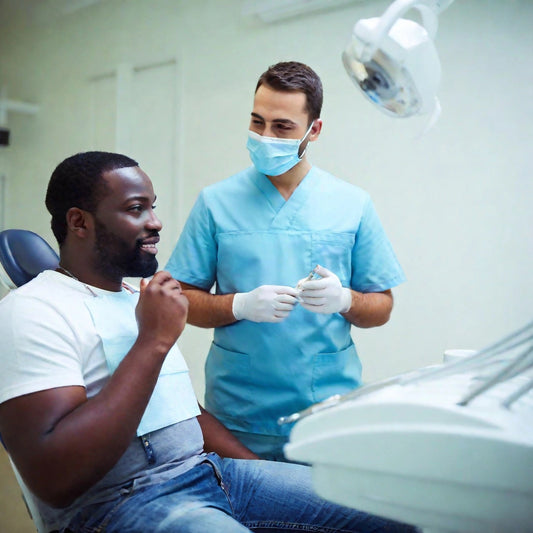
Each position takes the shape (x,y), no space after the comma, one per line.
(149,245)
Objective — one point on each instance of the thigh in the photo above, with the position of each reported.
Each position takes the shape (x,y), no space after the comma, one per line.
(194,502)
(187,518)
(274,496)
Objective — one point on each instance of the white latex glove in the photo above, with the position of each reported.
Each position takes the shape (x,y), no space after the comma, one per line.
(267,303)
(325,295)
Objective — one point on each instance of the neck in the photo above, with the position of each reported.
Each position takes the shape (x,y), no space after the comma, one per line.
(87,276)
(287,183)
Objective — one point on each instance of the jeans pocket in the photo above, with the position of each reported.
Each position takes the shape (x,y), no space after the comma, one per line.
(97,517)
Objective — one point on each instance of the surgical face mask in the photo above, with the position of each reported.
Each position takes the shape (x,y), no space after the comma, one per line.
(273,156)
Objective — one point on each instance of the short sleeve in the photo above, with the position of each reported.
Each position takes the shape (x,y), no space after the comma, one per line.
(193,260)
(39,350)
(375,266)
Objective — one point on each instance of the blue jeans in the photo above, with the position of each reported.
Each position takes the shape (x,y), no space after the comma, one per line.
(227,495)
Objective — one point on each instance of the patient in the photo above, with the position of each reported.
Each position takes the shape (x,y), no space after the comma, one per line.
(96,406)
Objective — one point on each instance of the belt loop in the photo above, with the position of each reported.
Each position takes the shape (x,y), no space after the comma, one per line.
(148,450)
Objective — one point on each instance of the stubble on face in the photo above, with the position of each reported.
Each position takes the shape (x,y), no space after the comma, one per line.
(116,259)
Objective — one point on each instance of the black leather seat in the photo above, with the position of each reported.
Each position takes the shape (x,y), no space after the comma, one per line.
(23,255)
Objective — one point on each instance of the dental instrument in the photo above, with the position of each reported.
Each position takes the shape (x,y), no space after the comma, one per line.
(310,276)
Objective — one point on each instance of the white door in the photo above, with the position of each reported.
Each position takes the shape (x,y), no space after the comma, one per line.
(134,112)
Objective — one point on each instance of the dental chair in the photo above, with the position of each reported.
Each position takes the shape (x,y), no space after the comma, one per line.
(23,255)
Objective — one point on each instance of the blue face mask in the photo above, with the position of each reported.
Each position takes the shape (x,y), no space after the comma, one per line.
(273,156)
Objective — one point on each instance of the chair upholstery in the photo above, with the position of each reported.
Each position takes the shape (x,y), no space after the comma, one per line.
(23,255)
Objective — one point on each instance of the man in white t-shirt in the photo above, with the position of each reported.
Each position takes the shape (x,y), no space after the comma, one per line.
(96,406)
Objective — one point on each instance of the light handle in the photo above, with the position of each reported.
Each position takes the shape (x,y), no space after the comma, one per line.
(428,10)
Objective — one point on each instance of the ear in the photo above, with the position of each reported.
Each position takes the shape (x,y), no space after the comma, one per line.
(315,130)
(79,222)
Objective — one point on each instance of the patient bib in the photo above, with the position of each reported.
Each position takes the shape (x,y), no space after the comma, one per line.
(173,398)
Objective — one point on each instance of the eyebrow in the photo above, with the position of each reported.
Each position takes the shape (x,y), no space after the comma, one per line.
(140,198)
(276,120)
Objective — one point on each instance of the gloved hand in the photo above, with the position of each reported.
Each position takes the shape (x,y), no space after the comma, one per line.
(267,303)
(325,295)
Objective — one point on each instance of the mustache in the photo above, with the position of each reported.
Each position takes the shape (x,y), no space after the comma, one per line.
(151,235)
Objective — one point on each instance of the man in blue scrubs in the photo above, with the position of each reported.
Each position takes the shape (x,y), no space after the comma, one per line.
(282,342)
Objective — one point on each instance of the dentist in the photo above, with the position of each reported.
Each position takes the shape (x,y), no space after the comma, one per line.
(282,342)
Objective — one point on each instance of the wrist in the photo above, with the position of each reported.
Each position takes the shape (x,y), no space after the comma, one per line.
(237,307)
(346,300)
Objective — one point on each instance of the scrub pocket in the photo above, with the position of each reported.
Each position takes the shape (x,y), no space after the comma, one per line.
(334,252)
(335,373)
(228,385)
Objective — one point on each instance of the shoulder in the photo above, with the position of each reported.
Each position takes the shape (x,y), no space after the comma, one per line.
(339,194)
(238,183)
(48,294)
(326,180)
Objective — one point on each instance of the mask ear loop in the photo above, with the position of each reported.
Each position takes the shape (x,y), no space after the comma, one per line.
(303,139)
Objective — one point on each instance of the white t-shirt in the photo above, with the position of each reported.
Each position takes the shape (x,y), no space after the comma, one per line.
(48,340)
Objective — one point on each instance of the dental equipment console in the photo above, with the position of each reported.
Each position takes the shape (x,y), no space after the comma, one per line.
(446,447)
(393,60)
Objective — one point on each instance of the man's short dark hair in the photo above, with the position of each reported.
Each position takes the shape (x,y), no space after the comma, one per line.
(77,182)
(291,76)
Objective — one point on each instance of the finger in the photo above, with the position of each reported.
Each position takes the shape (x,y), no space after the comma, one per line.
(166,280)
(286,299)
(322,271)
(280,306)
(163,275)
(143,285)
(314,285)
(274,319)
(283,289)
(314,301)
(313,308)
(315,293)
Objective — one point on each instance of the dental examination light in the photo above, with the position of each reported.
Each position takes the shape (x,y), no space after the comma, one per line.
(394,62)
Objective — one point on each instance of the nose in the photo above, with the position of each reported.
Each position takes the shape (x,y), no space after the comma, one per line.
(153,222)
(268,131)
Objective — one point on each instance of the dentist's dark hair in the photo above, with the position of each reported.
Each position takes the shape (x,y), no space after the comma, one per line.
(291,76)
(77,182)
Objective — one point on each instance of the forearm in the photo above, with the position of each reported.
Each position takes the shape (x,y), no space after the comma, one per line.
(208,310)
(217,438)
(369,310)
(74,451)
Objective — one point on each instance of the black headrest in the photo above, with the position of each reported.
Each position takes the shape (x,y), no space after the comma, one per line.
(25,254)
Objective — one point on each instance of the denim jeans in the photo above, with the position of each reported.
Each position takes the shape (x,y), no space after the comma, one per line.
(227,495)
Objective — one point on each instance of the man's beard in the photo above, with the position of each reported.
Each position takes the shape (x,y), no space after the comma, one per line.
(116,259)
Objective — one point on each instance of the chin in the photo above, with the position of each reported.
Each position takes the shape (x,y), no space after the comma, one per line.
(143,269)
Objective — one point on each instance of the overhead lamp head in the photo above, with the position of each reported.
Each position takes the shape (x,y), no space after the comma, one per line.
(394,62)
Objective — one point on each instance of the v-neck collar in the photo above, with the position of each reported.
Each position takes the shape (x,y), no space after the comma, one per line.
(284,210)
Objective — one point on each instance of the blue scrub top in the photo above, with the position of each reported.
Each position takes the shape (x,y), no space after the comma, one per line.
(240,234)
